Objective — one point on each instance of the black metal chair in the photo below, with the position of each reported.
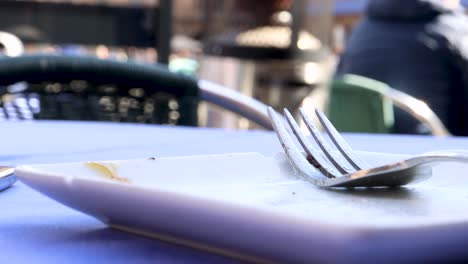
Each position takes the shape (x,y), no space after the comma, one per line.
(57,87)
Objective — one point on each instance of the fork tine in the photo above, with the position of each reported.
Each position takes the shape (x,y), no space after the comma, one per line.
(316,160)
(297,160)
(341,166)
(340,143)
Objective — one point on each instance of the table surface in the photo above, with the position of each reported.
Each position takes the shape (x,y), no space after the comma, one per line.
(36,229)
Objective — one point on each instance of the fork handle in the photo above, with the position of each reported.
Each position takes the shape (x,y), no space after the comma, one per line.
(456,155)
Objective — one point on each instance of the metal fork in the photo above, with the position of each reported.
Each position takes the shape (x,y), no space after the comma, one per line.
(340,166)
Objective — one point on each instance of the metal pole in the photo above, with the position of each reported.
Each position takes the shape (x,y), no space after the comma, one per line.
(297,12)
(164,27)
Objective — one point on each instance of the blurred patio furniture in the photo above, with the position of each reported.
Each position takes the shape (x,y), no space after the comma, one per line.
(273,51)
(361,104)
(59,87)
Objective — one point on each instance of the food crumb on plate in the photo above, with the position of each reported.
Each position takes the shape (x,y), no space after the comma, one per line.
(108,170)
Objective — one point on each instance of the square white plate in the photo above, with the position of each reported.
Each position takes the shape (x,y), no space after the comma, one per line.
(254,207)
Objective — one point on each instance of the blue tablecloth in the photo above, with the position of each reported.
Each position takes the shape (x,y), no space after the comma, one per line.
(36,229)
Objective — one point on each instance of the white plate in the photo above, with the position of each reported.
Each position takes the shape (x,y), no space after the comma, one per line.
(247,205)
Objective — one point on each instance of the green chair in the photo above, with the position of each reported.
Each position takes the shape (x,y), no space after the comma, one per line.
(360,104)
(57,87)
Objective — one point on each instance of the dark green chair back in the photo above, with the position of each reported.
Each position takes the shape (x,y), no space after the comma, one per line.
(356,104)
(56,87)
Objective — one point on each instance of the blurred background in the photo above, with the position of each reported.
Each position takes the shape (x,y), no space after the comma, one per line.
(281,52)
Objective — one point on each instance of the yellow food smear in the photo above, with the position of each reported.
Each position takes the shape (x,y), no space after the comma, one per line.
(107,170)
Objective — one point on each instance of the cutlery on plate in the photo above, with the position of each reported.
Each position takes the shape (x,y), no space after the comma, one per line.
(336,165)
(7,177)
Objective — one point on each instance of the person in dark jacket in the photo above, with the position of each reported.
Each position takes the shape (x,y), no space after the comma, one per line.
(419,47)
